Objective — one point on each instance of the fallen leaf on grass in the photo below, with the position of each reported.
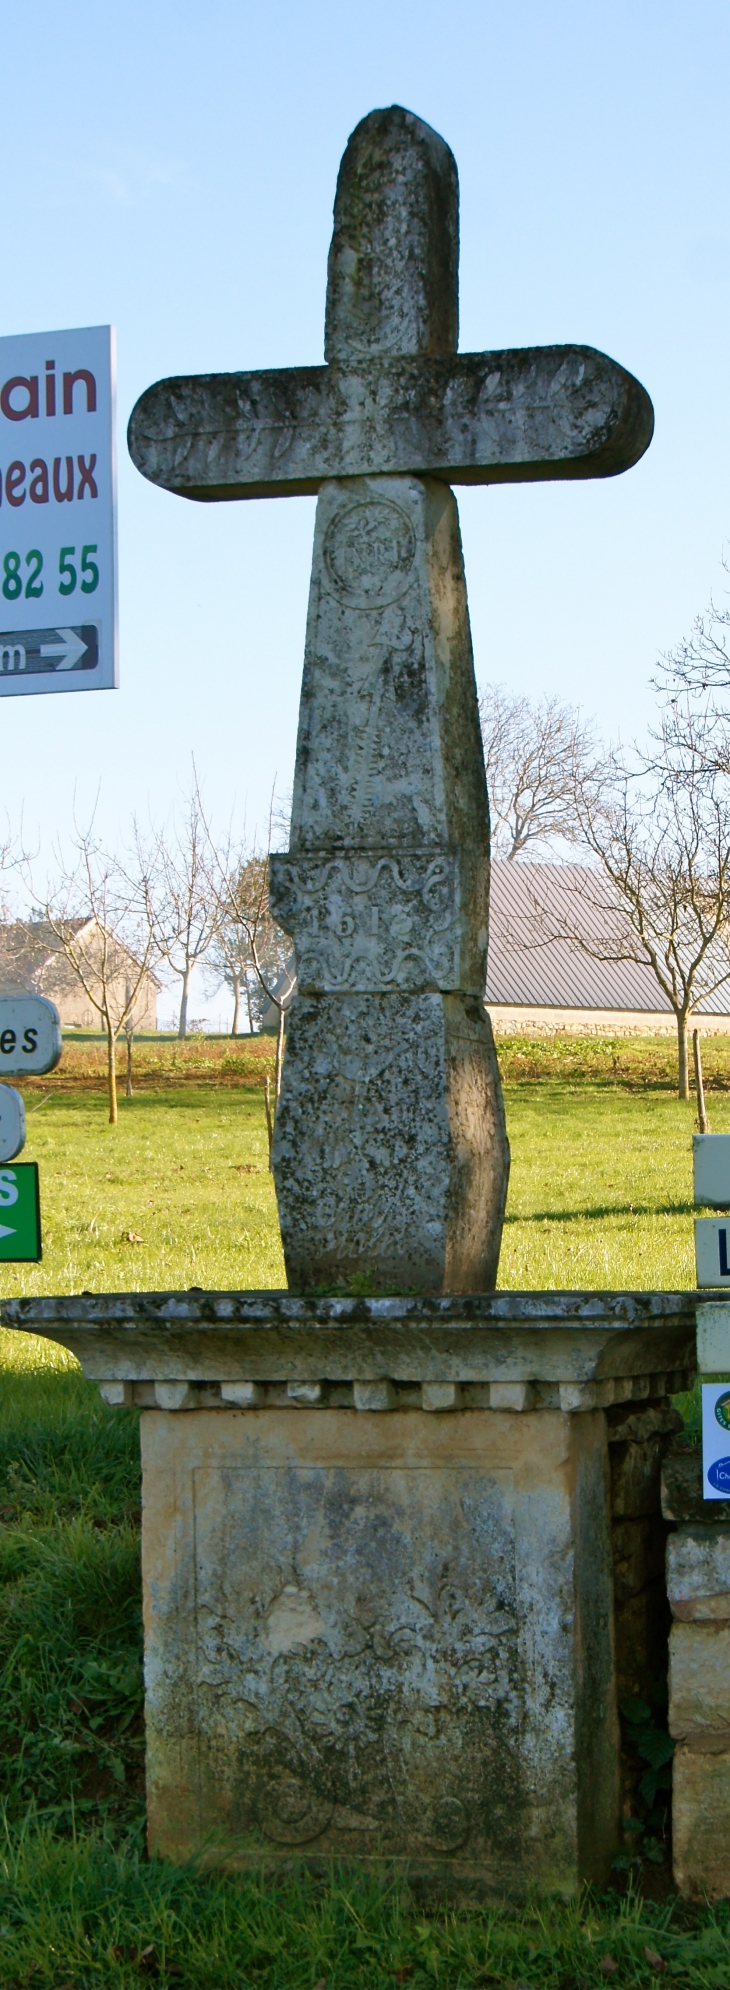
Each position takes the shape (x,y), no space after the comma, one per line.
(608,1965)
(131,1237)
(244,1168)
(322,1984)
(655,1961)
(147,1960)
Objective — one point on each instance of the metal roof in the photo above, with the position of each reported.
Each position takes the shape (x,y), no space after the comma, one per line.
(533,964)
(530,966)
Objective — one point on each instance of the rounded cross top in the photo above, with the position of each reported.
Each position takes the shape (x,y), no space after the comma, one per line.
(393,272)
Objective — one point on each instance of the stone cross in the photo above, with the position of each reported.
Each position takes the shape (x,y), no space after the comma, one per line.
(390,1152)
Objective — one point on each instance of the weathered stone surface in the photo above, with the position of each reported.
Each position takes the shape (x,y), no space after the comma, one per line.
(380,921)
(511,1338)
(699,1678)
(638,1555)
(389,750)
(390,1154)
(636,1477)
(633,1424)
(543,413)
(638,1437)
(386,882)
(393,267)
(713,1324)
(701,1820)
(682,1494)
(390,1161)
(698,1572)
(386,1634)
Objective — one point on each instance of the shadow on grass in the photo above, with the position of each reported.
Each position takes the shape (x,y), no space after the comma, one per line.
(601,1210)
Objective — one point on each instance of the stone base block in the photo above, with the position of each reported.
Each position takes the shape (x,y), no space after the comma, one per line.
(390,1153)
(699,1678)
(698,1573)
(376,1634)
(701,1819)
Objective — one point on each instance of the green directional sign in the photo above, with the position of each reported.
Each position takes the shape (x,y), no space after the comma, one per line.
(20,1214)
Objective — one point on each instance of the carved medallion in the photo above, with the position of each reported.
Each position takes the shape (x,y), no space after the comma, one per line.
(369,551)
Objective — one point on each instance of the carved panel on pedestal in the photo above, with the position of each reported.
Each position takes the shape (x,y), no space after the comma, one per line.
(358,1674)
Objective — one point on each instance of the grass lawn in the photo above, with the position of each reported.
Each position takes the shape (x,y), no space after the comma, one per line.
(180,1194)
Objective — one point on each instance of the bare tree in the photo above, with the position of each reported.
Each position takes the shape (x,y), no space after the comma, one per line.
(700,663)
(240,883)
(94,915)
(534,753)
(229,961)
(130,1026)
(14,857)
(173,879)
(660,832)
(250,940)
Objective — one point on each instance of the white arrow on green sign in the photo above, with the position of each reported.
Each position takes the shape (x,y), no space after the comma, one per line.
(20,1243)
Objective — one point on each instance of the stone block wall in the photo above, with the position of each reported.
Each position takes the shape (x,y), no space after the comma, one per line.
(698,1587)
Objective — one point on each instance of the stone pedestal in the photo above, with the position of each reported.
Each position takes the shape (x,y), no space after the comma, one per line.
(378,1573)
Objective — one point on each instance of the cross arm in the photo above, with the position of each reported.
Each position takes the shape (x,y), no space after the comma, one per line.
(468,418)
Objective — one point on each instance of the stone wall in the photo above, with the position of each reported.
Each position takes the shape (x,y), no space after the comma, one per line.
(510,1020)
(698,1585)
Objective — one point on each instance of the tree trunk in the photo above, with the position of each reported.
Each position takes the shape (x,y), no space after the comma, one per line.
(111,1068)
(130,1040)
(683,1086)
(279,1051)
(248,1004)
(702,1119)
(269,1117)
(182,1028)
(236,1025)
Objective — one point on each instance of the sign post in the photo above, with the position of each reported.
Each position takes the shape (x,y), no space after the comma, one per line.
(12,1123)
(58,615)
(30,1041)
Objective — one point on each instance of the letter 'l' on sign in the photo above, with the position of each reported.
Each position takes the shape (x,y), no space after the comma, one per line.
(712,1250)
(58,593)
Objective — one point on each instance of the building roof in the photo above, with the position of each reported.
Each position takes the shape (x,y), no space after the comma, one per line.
(534,964)
(530,965)
(30,951)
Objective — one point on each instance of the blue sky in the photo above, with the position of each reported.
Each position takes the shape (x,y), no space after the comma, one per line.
(171,168)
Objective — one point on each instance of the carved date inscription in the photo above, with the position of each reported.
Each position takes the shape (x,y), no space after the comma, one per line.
(371,922)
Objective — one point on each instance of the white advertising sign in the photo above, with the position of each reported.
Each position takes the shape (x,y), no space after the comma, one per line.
(58,629)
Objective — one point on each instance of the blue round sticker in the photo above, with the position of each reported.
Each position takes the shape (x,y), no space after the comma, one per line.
(719,1475)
